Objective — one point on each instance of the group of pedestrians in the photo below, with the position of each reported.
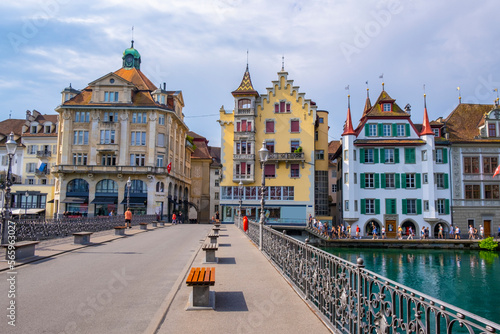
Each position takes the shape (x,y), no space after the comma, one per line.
(329,231)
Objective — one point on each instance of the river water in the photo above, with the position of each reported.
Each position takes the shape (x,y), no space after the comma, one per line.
(467,279)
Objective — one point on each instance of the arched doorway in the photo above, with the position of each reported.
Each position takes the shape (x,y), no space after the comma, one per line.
(406,227)
(369,227)
(446,229)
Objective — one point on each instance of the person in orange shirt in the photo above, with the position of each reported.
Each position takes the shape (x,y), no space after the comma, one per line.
(174,219)
(128,218)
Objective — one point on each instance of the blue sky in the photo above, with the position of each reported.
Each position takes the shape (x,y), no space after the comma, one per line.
(200,47)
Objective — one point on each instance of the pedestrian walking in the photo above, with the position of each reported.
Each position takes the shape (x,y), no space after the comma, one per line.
(471,232)
(440,231)
(410,234)
(128,218)
(400,232)
(174,218)
(217,217)
(383,232)
(457,233)
(357,231)
(451,232)
(481,231)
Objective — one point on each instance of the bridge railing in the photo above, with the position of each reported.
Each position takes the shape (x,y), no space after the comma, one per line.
(355,300)
(58,228)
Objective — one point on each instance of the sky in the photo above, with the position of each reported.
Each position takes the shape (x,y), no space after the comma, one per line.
(200,47)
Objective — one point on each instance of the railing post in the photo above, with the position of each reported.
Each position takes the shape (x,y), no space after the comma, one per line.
(306,270)
(359,292)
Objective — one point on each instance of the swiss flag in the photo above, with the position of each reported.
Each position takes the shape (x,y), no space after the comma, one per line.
(169,167)
(497,171)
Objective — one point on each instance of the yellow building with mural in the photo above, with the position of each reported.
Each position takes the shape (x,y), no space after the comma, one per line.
(293,131)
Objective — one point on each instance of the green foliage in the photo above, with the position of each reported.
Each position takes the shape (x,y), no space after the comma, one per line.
(488,244)
(298,150)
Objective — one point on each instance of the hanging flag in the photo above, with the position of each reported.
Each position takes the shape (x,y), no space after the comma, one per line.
(169,167)
(381,76)
(497,171)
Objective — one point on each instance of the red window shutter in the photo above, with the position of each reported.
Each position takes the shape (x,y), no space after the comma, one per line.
(282,106)
(243,167)
(269,126)
(270,170)
(295,126)
(243,125)
(249,126)
(238,128)
(288,107)
(276,108)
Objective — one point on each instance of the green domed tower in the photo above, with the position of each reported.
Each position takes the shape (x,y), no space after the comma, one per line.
(131,58)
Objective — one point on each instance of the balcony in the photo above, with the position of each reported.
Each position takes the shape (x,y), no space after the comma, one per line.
(42,173)
(245,112)
(298,157)
(43,154)
(107,147)
(68,169)
(244,157)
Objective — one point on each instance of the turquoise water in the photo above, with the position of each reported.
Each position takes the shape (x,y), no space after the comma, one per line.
(467,279)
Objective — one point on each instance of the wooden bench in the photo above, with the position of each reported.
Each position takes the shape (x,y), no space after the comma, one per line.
(210,252)
(120,230)
(217,225)
(162,223)
(82,238)
(215,230)
(155,224)
(143,226)
(213,237)
(22,250)
(201,279)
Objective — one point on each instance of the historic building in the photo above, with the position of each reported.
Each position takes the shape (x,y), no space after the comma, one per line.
(120,127)
(200,178)
(333,147)
(393,171)
(35,196)
(474,133)
(215,173)
(295,134)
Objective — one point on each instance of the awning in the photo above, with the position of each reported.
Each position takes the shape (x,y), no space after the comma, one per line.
(75,200)
(135,200)
(18,212)
(104,200)
(34,211)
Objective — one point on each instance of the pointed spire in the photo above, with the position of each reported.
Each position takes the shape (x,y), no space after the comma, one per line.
(368,104)
(245,87)
(348,130)
(426,126)
(283,63)
(459,96)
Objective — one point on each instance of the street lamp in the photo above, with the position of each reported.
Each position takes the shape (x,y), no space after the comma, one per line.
(129,184)
(263,154)
(240,188)
(26,204)
(11,146)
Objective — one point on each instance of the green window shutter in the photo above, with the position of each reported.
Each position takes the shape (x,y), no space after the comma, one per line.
(419,206)
(362,180)
(413,155)
(394,207)
(382,155)
(447,206)
(445,155)
(446,181)
(377,206)
(388,206)
(396,155)
(407,156)
(363,206)
(362,155)
(404,207)
(367,130)
(380,130)
(407,130)
(398,183)
(418,180)
(403,180)
(375,155)
(394,129)
(377,180)
(382,180)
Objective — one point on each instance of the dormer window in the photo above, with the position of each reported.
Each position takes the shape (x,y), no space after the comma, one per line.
(33,129)
(436,132)
(162,99)
(492,130)
(47,129)
(110,96)
(387,107)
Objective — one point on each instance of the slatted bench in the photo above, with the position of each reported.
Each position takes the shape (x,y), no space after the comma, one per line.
(216,230)
(162,223)
(210,252)
(201,279)
(120,230)
(82,238)
(155,224)
(143,226)
(217,225)
(22,250)
(213,237)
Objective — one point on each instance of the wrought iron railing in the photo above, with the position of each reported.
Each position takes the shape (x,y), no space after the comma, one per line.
(352,299)
(58,228)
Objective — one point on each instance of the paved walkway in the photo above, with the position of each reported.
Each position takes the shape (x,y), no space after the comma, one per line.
(251,296)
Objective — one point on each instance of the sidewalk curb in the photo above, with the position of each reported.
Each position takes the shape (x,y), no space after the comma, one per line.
(159,317)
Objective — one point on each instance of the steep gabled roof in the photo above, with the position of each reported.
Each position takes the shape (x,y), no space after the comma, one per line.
(246,87)
(376,109)
(135,76)
(462,124)
(201,143)
(348,129)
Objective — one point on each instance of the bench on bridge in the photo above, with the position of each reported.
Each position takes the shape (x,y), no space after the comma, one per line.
(22,250)
(154,223)
(215,230)
(210,252)
(162,223)
(143,226)
(217,225)
(201,279)
(213,237)
(82,238)
(120,230)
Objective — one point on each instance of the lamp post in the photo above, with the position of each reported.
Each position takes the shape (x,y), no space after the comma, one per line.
(263,154)
(129,184)
(26,194)
(240,188)
(11,146)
